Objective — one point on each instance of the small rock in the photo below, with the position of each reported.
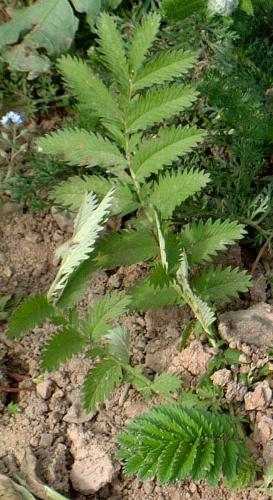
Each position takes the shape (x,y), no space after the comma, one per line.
(265,429)
(260,398)
(77,415)
(268,453)
(235,392)
(253,326)
(64,220)
(194,359)
(45,388)
(221,377)
(46,440)
(8,272)
(92,468)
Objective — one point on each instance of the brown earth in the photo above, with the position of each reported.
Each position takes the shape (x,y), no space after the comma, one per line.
(77,452)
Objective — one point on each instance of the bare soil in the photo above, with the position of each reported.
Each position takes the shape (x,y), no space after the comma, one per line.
(50,420)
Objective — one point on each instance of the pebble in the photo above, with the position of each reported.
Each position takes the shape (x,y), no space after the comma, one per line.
(45,389)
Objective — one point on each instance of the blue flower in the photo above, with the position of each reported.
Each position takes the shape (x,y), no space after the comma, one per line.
(12,118)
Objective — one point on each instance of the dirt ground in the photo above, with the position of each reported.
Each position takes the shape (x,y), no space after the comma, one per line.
(76,452)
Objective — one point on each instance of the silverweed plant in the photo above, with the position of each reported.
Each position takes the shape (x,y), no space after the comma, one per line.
(132,154)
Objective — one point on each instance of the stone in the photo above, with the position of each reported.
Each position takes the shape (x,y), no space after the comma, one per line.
(252,326)
(46,440)
(63,219)
(268,453)
(193,359)
(260,398)
(221,377)
(76,413)
(45,388)
(264,428)
(235,392)
(92,468)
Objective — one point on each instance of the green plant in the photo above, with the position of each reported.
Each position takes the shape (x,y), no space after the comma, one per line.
(134,176)
(133,154)
(172,443)
(45,27)
(109,345)
(13,408)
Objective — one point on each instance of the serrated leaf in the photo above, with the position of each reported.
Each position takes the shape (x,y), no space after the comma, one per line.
(144,296)
(159,277)
(87,228)
(31,313)
(107,307)
(202,240)
(220,284)
(79,147)
(166,384)
(49,26)
(118,343)
(174,188)
(125,248)
(158,105)
(172,143)
(170,442)
(89,90)
(60,348)
(100,383)
(165,68)
(112,49)
(142,39)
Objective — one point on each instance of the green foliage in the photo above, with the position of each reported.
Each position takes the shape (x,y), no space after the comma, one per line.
(125,248)
(144,296)
(107,307)
(136,159)
(142,40)
(202,240)
(166,384)
(118,342)
(172,189)
(44,27)
(100,383)
(61,347)
(170,144)
(219,285)
(79,147)
(172,443)
(178,10)
(31,313)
